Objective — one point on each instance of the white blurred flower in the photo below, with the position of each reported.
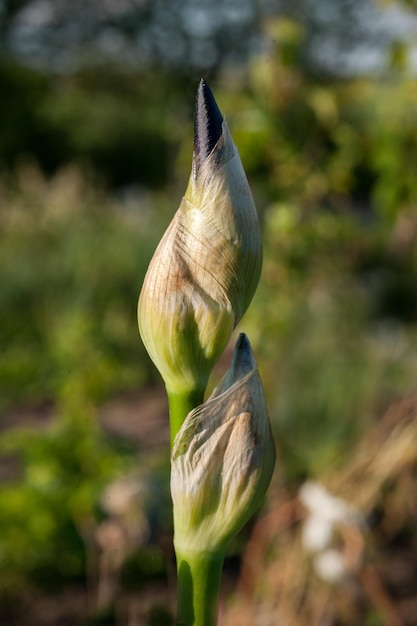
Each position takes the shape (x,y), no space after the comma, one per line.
(121,495)
(316,534)
(330,566)
(124,501)
(320,502)
(324,513)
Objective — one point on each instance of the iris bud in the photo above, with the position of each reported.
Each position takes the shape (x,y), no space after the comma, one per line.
(206,268)
(222,459)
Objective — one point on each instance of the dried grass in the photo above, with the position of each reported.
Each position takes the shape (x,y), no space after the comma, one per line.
(280,584)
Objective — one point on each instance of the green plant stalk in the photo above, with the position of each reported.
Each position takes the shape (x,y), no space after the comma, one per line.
(180,404)
(198,590)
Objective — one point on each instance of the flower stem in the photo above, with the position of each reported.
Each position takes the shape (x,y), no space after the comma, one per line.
(180,404)
(199,578)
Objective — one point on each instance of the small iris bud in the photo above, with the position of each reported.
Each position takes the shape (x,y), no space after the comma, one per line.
(222,459)
(206,268)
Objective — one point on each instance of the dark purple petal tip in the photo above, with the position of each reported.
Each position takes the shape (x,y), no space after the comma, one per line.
(208,122)
(243,359)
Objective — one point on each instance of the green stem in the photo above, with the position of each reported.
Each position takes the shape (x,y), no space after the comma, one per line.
(180,404)
(198,591)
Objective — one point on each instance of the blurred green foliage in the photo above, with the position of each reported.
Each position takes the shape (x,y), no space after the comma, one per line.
(72,262)
(334,321)
(46,509)
(334,342)
(116,121)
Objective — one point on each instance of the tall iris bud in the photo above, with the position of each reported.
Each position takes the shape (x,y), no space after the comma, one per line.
(206,268)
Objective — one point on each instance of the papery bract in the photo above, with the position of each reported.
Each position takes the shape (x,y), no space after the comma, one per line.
(222,459)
